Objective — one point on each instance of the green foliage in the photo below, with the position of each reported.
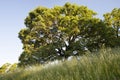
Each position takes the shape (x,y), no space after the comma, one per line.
(112,19)
(13,67)
(7,67)
(4,68)
(104,65)
(59,31)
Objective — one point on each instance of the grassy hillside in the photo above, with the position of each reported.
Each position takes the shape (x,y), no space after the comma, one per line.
(104,65)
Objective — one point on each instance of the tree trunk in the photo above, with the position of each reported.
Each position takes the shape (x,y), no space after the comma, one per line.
(117,32)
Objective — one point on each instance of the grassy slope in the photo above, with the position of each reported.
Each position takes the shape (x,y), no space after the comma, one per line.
(103,66)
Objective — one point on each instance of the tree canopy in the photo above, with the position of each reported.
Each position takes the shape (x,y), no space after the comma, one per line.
(63,31)
(112,19)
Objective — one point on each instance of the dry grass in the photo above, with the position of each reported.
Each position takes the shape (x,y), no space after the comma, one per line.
(104,65)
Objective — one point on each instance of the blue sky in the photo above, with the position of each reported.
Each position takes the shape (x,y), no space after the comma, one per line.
(13,13)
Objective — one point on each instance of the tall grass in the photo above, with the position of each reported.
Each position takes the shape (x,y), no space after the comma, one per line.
(103,65)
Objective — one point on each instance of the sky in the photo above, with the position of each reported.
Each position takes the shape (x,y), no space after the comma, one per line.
(13,13)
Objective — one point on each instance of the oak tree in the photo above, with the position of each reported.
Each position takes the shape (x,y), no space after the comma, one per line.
(60,32)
